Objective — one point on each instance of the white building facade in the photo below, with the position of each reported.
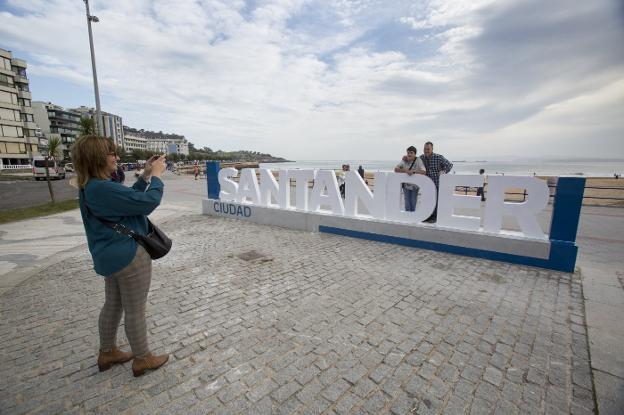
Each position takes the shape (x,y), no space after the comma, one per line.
(169,146)
(134,142)
(157,142)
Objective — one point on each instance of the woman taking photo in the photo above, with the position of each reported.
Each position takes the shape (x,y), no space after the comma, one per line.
(125,265)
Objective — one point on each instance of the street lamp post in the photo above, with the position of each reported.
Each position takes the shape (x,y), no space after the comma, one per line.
(98,121)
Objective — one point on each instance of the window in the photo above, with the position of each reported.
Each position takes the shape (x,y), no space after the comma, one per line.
(22,148)
(9,131)
(20,131)
(19,71)
(42,163)
(6,80)
(12,148)
(27,117)
(33,148)
(7,114)
(5,63)
(8,97)
(3,147)
(24,102)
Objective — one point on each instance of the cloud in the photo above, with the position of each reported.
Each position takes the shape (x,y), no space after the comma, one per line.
(316,79)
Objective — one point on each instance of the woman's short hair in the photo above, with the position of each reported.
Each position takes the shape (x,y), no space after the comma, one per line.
(90,158)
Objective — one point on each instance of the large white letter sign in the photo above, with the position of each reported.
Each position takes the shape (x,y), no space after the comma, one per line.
(448,201)
(356,190)
(302,177)
(269,188)
(229,187)
(248,187)
(525,212)
(393,201)
(326,179)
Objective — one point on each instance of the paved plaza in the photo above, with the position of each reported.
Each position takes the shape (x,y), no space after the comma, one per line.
(263,320)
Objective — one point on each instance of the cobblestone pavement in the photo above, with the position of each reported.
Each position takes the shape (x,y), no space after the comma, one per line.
(268,320)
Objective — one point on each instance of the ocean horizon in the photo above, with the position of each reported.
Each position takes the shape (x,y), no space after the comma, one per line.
(576,167)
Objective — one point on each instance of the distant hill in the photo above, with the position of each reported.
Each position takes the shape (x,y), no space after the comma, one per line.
(206,153)
(152,134)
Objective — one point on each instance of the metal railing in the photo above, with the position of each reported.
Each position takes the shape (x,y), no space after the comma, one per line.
(552,187)
(15,166)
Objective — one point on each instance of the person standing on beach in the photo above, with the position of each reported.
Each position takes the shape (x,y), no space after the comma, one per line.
(435,164)
(361,171)
(410,164)
(196,171)
(480,191)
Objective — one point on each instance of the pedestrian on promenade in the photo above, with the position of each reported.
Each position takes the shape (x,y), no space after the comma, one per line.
(125,265)
(410,164)
(361,171)
(118,176)
(435,164)
(480,189)
(340,177)
(196,171)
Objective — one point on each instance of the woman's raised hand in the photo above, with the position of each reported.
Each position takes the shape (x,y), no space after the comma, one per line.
(158,166)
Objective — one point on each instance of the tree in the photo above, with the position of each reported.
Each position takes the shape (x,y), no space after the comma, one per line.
(87,126)
(54,148)
(138,154)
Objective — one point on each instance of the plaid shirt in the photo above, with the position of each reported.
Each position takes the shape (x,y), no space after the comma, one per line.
(434,165)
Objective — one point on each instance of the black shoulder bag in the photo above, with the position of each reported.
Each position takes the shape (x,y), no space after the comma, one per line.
(156,243)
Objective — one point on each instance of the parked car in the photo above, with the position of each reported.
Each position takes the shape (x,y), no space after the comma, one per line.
(56,171)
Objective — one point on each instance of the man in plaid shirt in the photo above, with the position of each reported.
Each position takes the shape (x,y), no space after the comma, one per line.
(435,164)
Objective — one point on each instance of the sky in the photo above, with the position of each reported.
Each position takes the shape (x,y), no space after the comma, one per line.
(340,79)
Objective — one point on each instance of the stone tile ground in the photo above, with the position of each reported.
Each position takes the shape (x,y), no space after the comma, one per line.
(308,323)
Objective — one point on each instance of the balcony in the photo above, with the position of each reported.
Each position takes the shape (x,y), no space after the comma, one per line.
(20,78)
(18,62)
(13,123)
(24,94)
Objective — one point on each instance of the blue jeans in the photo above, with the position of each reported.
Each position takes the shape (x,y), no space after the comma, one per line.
(411,195)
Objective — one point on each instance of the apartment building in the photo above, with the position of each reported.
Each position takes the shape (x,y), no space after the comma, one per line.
(134,142)
(56,121)
(112,125)
(18,142)
(169,146)
(160,142)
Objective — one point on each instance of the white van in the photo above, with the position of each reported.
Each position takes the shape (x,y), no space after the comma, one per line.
(54,166)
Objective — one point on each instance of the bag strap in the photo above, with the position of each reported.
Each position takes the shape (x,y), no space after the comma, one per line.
(117,227)
(412,164)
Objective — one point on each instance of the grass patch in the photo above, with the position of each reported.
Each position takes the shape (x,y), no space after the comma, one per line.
(13,215)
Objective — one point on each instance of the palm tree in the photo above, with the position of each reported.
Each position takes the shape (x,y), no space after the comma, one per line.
(87,126)
(54,149)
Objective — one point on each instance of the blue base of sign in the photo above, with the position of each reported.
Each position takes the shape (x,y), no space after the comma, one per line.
(562,254)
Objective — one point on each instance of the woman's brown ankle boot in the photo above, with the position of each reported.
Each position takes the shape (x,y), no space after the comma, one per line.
(107,359)
(151,362)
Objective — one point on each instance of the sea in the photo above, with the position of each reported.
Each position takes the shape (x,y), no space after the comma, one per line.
(579,168)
